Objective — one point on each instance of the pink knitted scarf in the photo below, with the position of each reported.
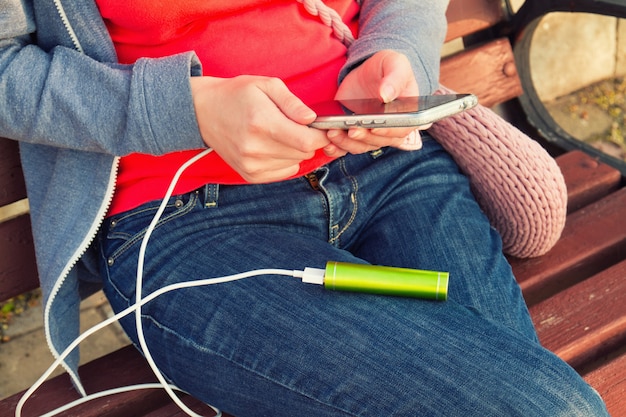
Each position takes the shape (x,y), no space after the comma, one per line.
(517,183)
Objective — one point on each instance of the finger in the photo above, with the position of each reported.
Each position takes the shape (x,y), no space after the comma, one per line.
(358,133)
(359,145)
(252,151)
(288,103)
(412,142)
(392,132)
(259,171)
(334,151)
(303,139)
(398,78)
(297,135)
(268,176)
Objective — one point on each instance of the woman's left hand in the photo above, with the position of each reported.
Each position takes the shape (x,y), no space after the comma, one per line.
(386,75)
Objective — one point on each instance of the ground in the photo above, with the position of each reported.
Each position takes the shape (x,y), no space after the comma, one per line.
(15,307)
(595,114)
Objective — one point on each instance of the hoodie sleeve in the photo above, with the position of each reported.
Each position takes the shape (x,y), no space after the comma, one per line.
(60,96)
(415,28)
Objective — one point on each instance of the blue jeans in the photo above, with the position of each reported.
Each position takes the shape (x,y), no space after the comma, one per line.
(273,346)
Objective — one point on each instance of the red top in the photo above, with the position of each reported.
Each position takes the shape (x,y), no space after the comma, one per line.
(254,37)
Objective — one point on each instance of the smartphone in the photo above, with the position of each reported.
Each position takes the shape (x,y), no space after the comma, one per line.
(402,112)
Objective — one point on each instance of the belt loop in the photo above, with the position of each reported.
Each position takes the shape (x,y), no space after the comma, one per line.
(211,194)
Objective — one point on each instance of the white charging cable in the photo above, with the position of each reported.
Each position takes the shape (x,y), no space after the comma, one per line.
(127,311)
(136,308)
(139,284)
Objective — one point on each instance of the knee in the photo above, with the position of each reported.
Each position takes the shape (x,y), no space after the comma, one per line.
(586,402)
(574,398)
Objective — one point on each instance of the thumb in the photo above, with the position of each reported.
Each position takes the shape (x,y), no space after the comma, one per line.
(288,103)
(397,77)
(387,92)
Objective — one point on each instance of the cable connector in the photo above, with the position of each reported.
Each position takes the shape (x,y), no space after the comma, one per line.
(311,275)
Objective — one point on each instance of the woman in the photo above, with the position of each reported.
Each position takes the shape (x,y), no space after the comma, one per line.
(118,95)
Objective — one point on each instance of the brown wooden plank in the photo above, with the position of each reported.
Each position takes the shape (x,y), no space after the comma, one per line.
(594,238)
(18,272)
(587,320)
(120,368)
(12,186)
(587,179)
(488,71)
(610,381)
(469,16)
(172,410)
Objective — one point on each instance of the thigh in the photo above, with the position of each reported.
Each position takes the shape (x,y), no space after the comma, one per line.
(270,345)
(426,217)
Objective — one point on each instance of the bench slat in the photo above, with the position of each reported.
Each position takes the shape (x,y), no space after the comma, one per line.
(120,368)
(12,187)
(18,271)
(588,180)
(610,381)
(594,238)
(585,321)
(468,16)
(488,71)
(172,410)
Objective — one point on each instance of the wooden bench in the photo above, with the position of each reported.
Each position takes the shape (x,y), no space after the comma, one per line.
(574,292)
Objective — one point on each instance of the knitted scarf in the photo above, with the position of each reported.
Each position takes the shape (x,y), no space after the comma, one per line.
(516,182)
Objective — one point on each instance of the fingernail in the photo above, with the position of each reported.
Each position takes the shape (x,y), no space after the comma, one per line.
(333,133)
(355,134)
(387,93)
(307,114)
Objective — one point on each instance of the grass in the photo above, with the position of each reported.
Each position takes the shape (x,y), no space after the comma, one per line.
(14,307)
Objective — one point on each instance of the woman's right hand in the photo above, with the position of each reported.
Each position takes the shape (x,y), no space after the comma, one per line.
(256,125)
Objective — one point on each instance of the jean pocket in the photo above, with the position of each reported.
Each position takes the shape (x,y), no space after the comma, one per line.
(123,231)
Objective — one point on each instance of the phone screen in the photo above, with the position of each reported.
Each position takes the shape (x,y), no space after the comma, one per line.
(373,106)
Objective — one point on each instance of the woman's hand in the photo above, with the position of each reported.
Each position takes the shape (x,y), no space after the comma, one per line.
(386,75)
(256,125)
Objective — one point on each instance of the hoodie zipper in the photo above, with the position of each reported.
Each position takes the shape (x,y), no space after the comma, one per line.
(80,251)
(93,230)
(68,26)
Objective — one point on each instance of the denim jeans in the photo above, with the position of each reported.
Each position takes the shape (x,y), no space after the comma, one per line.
(273,346)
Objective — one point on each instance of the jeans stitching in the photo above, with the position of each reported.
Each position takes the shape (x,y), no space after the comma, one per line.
(247,368)
(140,234)
(355,204)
